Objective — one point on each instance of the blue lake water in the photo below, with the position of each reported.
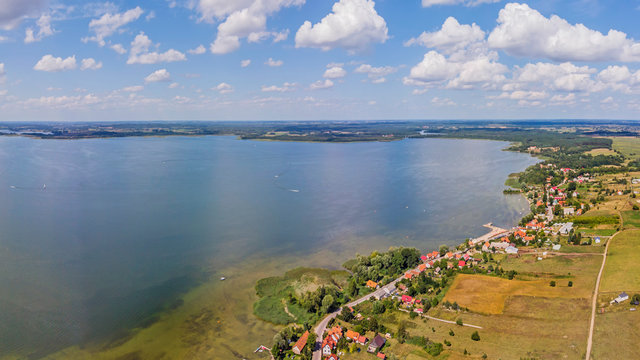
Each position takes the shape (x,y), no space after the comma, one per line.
(96,235)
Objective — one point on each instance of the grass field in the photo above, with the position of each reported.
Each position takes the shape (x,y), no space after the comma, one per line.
(470,291)
(629,147)
(631,219)
(621,270)
(606,152)
(274,291)
(597,232)
(616,335)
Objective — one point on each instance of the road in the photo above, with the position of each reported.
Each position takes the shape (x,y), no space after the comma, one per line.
(322,325)
(594,301)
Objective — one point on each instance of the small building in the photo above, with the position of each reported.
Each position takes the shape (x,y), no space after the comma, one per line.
(300,344)
(461,264)
(352,335)
(566,228)
(556,247)
(568,211)
(511,250)
(376,344)
(372,284)
(622,297)
(362,340)
(597,240)
(381,356)
(332,357)
(407,299)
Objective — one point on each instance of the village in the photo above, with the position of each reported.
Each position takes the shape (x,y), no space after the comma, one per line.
(555,228)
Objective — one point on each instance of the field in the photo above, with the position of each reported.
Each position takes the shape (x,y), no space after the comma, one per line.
(621,272)
(274,291)
(596,152)
(470,291)
(631,219)
(616,335)
(629,147)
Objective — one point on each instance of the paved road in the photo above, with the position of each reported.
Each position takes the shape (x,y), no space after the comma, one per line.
(594,301)
(322,326)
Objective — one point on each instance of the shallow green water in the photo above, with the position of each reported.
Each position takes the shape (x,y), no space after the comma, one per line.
(96,235)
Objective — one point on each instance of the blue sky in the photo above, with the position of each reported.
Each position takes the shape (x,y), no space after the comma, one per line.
(69,60)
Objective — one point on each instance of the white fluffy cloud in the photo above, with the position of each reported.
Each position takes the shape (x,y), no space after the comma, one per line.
(140,54)
(45,29)
(427,3)
(158,76)
(53,64)
(284,88)
(353,25)
(335,72)
(223,88)
(109,23)
(13,11)
(321,84)
(90,64)
(274,63)
(451,37)
(242,19)
(524,32)
(435,69)
(197,51)
(245,63)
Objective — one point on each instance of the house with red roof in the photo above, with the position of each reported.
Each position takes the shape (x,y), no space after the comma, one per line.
(300,344)
(407,299)
(461,264)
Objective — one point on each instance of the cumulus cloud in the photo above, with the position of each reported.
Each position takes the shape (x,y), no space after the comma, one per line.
(242,19)
(54,64)
(352,25)
(45,29)
(435,69)
(274,63)
(560,77)
(451,37)
(158,76)
(245,63)
(12,12)
(320,84)
(428,3)
(109,23)
(223,88)
(335,72)
(197,51)
(140,54)
(3,74)
(90,64)
(284,88)
(524,32)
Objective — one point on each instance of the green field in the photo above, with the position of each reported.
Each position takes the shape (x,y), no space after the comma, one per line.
(273,305)
(621,270)
(629,147)
(616,335)
(631,219)
(597,232)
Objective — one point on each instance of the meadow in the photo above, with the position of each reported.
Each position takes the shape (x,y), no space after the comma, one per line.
(621,269)
(629,147)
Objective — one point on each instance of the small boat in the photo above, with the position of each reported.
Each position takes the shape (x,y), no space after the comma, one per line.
(223,278)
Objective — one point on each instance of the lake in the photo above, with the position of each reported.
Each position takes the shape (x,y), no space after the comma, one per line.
(99,236)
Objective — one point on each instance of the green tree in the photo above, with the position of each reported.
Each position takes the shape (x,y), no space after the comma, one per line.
(570,284)
(475,336)
(459,321)
(552,283)
(401,335)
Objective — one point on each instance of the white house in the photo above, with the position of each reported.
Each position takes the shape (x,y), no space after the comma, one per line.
(556,247)
(566,228)
(511,250)
(622,297)
(568,211)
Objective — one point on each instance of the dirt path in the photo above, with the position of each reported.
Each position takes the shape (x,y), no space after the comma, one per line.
(286,309)
(445,321)
(594,301)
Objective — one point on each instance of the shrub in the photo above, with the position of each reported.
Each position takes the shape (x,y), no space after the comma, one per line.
(570,284)
(475,336)
(459,322)
(451,333)
(552,283)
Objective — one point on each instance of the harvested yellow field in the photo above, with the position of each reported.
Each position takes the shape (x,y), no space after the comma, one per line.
(487,294)
(606,152)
